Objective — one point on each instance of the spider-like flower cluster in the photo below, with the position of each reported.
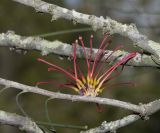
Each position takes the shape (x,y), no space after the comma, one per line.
(95,80)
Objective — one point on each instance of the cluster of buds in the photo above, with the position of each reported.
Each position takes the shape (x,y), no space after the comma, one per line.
(94,81)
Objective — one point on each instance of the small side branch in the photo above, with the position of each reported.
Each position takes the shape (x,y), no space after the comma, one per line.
(113,125)
(105,24)
(23,123)
(12,40)
(149,108)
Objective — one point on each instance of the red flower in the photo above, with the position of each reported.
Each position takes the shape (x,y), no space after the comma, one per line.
(94,82)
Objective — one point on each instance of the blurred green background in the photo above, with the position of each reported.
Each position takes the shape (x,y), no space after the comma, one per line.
(25,68)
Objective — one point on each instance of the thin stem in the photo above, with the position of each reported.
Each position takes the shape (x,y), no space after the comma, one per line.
(3,89)
(108,73)
(75,56)
(18,104)
(85,53)
(102,65)
(96,56)
(91,47)
(64,32)
(58,68)
(62,125)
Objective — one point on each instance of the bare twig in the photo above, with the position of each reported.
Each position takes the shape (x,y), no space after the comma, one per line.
(113,125)
(23,123)
(12,40)
(143,109)
(73,98)
(151,108)
(106,25)
(56,95)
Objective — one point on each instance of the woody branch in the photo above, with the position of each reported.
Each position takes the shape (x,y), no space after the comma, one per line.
(12,40)
(105,24)
(152,107)
(142,110)
(24,123)
(73,98)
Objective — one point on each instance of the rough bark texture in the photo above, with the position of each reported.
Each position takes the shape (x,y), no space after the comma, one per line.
(23,123)
(105,24)
(17,42)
